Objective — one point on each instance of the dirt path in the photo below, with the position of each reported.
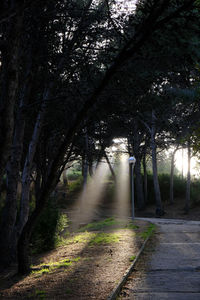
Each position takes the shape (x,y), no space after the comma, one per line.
(88,265)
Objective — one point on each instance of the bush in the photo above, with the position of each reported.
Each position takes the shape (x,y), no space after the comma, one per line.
(48,228)
(74,175)
(75,186)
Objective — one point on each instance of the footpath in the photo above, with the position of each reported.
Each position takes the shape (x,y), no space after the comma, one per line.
(173,271)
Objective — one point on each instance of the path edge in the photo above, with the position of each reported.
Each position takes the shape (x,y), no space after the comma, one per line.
(117,289)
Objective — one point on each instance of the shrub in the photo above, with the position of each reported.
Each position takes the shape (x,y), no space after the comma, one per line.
(75,186)
(48,228)
(73,175)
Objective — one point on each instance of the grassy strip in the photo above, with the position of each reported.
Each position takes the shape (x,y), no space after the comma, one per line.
(99,225)
(92,238)
(49,268)
(150,229)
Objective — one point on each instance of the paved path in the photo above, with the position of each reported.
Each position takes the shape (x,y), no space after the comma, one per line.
(174,271)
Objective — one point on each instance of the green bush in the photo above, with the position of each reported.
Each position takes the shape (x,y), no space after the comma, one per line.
(48,228)
(73,175)
(75,186)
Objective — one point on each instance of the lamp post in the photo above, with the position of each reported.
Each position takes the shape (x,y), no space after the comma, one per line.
(132,161)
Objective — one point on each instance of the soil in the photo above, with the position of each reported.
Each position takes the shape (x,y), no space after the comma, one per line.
(98,269)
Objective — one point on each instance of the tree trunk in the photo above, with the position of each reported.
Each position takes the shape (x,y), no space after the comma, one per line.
(110,166)
(138,176)
(7,236)
(65,180)
(9,91)
(171,198)
(187,198)
(8,249)
(139,185)
(85,161)
(91,167)
(182,162)
(159,208)
(145,179)
(23,242)
(26,175)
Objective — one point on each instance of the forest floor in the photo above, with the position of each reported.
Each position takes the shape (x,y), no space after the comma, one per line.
(88,265)
(173,211)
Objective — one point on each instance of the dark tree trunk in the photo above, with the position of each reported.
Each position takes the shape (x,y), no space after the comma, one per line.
(182,163)
(7,230)
(85,161)
(137,136)
(65,180)
(171,199)
(187,198)
(145,179)
(10,82)
(7,238)
(159,207)
(139,184)
(110,166)
(24,239)
(91,168)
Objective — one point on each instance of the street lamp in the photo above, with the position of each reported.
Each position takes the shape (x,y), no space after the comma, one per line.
(132,161)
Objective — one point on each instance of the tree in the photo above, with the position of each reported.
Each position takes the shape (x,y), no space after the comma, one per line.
(79,44)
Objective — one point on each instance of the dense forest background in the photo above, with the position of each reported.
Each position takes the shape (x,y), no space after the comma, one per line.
(74,75)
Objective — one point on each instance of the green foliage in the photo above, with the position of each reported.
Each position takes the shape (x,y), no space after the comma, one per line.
(74,175)
(47,230)
(75,186)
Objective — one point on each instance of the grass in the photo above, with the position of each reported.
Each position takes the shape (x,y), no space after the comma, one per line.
(38,294)
(99,225)
(105,238)
(49,268)
(132,258)
(150,229)
(92,238)
(131,226)
(84,237)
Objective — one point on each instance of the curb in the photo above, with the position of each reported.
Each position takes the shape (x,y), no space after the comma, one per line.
(117,289)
